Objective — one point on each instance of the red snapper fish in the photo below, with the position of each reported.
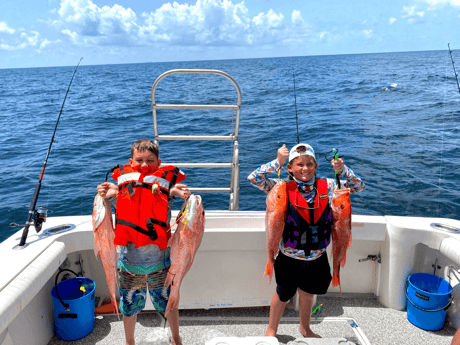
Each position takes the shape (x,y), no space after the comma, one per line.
(275,216)
(184,244)
(104,234)
(341,231)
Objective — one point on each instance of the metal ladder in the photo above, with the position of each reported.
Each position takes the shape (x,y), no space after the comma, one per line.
(234,165)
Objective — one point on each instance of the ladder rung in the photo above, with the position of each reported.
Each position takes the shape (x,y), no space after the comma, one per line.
(195,106)
(196,137)
(210,190)
(199,165)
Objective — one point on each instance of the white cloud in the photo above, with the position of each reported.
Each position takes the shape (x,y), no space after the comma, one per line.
(367,33)
(440,3)
(25,40)
(114,25)
(411,14)
(324,35)
(207,22)
(4,28)
(391,20)
(296,18)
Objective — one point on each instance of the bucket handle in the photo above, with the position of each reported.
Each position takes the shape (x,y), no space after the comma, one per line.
(65,305)
(416,306)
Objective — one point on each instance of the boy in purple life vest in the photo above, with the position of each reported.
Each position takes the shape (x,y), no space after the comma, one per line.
(302,265)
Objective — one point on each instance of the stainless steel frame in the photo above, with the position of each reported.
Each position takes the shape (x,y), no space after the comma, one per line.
(234,165)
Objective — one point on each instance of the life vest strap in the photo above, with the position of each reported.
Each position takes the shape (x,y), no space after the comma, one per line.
(150,233)
(154,221)
(111,171)
(142,185)
(175,171)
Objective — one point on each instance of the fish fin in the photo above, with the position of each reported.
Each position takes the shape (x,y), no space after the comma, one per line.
(97,248)
(115,307)
(269,270)
(169,279)
(344,259)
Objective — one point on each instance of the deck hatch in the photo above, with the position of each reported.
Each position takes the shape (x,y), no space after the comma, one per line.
(445,227)
(58,229)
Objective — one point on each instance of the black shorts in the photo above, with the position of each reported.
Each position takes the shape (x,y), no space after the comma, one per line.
(291,274)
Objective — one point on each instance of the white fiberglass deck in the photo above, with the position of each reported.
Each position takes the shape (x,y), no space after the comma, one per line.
(381,326)
(228,272)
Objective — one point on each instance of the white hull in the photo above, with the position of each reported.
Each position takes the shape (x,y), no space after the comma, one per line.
(228,269)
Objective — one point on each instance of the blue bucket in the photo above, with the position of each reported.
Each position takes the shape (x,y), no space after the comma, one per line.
(429,297)
(73,307)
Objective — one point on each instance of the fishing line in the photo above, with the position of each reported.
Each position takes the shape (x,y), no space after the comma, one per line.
(296,121)
(295,103)
(442,141)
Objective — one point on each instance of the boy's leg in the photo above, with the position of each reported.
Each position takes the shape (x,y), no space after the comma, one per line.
(173,321)
(129,322)
(305,305)
(276,312)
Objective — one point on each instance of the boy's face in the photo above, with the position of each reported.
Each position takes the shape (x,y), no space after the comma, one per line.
(303,168)
(145,161)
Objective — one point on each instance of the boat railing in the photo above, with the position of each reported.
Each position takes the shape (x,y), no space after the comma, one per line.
(234,164)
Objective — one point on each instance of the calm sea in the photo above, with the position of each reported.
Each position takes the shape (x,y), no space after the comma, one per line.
(395,118)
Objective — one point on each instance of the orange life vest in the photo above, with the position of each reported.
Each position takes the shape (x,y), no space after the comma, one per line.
(142,205)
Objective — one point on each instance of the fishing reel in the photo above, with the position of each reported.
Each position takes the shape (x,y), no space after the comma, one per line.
(39,218)
(333,155)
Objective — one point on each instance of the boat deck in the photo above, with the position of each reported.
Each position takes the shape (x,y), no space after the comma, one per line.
(382,326)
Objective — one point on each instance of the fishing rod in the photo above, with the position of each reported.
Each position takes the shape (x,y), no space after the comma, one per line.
(453,65)
(296,120)
(38,217)
(295,102)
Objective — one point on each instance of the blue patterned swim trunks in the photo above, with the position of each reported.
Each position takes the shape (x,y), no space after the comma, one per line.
(139,270)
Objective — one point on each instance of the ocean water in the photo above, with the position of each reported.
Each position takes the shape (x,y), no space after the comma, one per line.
(395,117)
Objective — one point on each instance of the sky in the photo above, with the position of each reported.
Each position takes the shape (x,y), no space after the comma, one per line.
(42,33)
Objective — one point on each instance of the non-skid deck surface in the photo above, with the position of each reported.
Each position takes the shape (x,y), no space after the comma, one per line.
(381,325)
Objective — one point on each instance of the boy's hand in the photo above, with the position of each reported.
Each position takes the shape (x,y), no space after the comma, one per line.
(283,154)
(181,191)
(107,190)
(338,165)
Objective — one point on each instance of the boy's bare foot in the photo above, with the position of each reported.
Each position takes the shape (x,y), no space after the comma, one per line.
(270,333)
(307,333)
(176,341)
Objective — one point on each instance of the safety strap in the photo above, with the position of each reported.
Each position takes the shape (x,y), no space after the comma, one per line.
(175,171)
(142,185)
(138,228)
(110,171)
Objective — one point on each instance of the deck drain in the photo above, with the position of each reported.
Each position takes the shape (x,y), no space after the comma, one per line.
(445,227)
(59,229)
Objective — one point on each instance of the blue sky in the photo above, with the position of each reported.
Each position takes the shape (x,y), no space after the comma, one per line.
(38,33)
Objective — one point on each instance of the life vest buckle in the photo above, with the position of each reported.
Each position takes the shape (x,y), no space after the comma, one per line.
(151,230)
(155,187)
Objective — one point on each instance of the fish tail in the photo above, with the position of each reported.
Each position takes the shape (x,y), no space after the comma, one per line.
(335,280)
(269,270)
(172,304)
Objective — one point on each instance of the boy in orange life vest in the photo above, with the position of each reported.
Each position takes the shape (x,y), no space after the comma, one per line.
(142,232)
